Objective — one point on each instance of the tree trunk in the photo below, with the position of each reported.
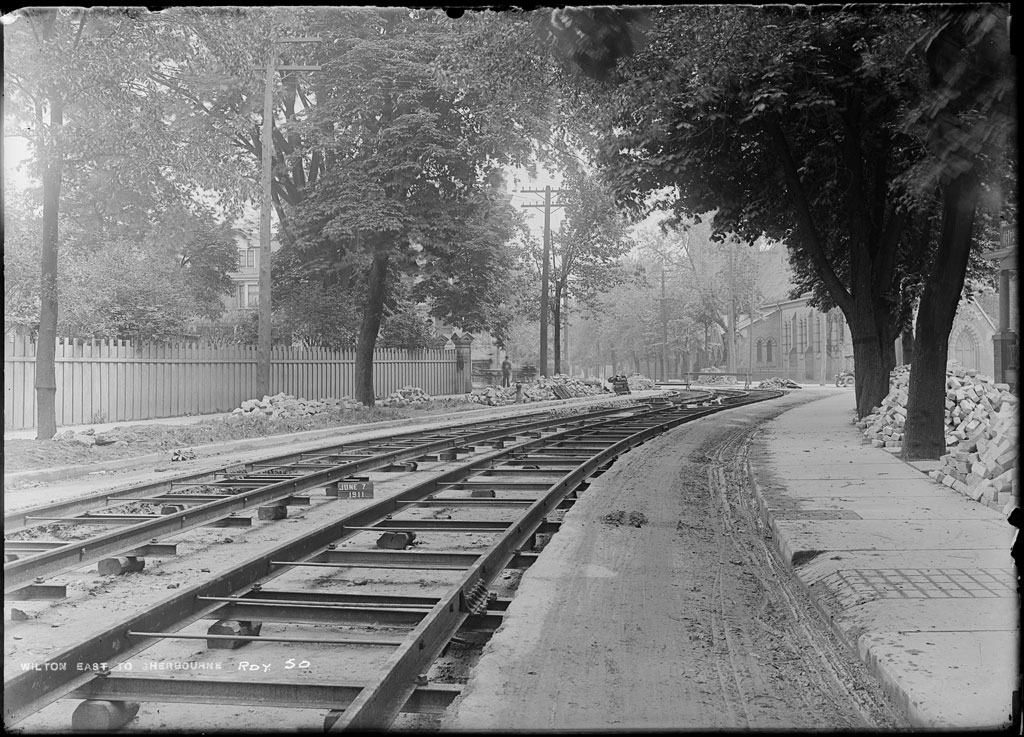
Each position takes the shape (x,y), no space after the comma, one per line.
(907,338)
(874,357)
(46,377)
(369,329)
(924,432)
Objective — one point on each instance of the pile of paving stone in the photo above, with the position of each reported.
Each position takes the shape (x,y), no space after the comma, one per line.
(540,390)
(776,383)
(285,405)
(574,387)
(713,377)
(973,404)
(405,396)
(985,467)
(639,383)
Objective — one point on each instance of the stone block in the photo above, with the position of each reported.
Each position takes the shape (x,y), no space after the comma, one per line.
(979,491)
(272,512)
(238,628)
(95,715)
(398,540)
(120,565)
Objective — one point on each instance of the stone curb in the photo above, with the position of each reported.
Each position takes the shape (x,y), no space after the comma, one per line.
(890,685)
(860,645)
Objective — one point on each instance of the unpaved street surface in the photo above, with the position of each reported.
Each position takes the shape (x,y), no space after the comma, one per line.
(660,604)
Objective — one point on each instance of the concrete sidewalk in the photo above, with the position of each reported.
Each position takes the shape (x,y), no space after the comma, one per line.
(914,576)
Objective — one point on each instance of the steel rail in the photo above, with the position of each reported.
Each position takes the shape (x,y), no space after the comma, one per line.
(379,703)
(27,692)
(13,521)
(78,553)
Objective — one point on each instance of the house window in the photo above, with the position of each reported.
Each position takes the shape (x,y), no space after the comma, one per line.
(250,258)
(252,295)
(240,297)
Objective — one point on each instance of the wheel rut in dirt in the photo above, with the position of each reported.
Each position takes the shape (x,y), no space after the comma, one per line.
(688,620)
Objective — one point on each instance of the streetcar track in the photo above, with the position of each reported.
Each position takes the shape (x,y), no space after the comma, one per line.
(25,566)
(379,700)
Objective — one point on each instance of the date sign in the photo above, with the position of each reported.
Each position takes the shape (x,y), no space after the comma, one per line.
(358,488)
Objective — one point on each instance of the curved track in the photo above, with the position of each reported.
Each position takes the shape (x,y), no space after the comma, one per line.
(130,522)
(502,499)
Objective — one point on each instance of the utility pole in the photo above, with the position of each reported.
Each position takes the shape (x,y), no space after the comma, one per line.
(543,368)
(664,325)
(263,343)
(567,367)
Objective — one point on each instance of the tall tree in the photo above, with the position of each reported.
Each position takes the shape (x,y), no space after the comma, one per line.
(395,180)
(967,122)
(783,115)
(82,80)
(789,135)
(586,250)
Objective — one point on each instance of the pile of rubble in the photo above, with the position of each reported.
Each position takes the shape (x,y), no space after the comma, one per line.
(540,390)
(497,396)
(981,431)
(776,383)
(713,376)
(574,387)
(984,467)
(90,437)
(639,383)
(405,396)
(285,405)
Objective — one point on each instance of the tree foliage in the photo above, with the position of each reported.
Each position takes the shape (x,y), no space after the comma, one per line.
(386,174)
(792,122)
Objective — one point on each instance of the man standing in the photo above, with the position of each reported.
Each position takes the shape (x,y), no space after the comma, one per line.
(506,372)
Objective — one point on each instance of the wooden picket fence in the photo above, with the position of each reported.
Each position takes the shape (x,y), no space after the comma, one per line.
(111,381)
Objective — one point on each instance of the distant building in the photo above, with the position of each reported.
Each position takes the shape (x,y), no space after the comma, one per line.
(245,293)
(794,341)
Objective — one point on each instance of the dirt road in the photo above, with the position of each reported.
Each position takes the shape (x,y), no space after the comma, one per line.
(660,604)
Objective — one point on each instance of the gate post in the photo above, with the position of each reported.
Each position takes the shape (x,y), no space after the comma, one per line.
(463,362)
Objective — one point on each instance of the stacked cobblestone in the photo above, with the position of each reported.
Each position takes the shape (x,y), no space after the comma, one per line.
(712,377)
(285,405)
(984,466)
(777,383)
(406,396)
(980,432)
(639,383)
(536,391)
